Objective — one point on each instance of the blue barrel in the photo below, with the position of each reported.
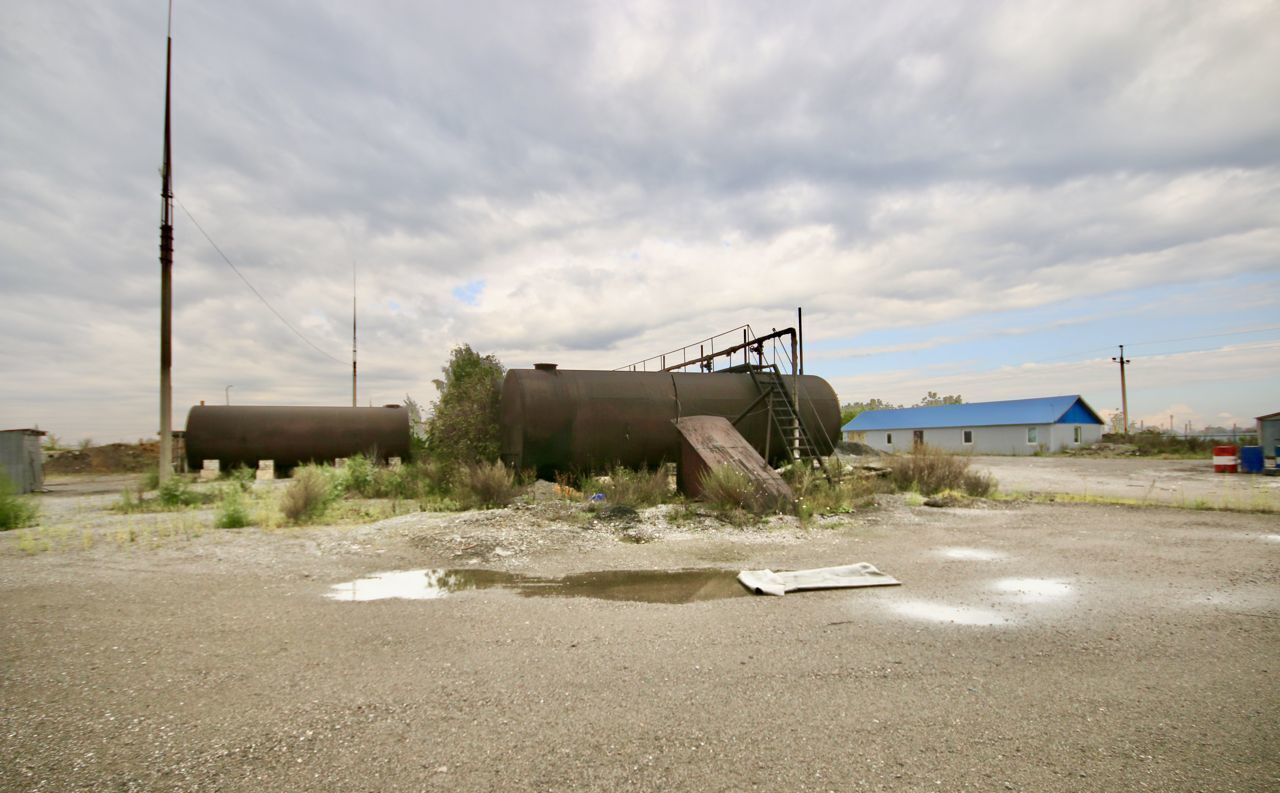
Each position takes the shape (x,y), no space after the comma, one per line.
(1250,459)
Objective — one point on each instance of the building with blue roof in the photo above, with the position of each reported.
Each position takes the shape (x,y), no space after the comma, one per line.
(1011,426)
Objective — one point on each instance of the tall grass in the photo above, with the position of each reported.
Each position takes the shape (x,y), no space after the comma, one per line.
(928,471)
(842,492)
(729,491)
(308,495)
(632,488)
(484,485)
(15,511)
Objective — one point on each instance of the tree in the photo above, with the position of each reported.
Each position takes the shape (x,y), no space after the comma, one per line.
(464,425)
(850,410)
(931,399)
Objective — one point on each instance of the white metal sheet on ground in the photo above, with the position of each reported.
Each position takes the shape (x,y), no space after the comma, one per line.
(767,582)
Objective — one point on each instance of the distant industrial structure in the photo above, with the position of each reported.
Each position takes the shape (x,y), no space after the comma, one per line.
(1014,426)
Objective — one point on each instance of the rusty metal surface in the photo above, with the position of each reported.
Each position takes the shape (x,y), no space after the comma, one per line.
(567,420)
(711,442)
(243,434)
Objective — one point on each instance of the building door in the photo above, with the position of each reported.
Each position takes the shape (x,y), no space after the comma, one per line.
(917,438)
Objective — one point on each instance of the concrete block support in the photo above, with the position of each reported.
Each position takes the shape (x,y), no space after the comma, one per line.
(266,469)
(211,470)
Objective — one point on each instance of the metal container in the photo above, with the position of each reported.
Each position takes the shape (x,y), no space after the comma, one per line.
(578,420)
(1224,459)
(243,435)
(1251,461)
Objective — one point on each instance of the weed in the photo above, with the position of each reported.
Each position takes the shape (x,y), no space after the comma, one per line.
(358,476)
(308,496)
(150,481)
(175,493)
(232,512)
(485,485)
(837,492)
(928,470)
(734,496)
(27,542)
(15,511)
(632,488)
(242,476)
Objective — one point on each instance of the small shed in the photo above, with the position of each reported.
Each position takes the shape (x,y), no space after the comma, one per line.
(1269,433)
(1013,426)
(22,459)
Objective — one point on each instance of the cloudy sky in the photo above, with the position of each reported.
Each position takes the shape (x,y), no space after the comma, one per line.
(979,199)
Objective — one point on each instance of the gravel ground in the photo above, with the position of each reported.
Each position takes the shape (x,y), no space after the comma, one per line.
(1031,647)
(1177,482)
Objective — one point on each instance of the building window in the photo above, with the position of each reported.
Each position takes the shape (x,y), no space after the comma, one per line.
(1079,434)
(888,438)
(1032,435)
(968,436)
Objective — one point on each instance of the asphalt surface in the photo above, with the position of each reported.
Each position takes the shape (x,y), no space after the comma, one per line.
(1034,648)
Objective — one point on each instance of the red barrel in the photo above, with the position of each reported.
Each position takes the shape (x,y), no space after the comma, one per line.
(1224,459)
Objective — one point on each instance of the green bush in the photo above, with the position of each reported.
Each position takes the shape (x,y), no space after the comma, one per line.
(485,485)
(242,476)
(630,488)
(928,470)
(175,493)
(232,512)
(308,495)
(358,476)
(15,511)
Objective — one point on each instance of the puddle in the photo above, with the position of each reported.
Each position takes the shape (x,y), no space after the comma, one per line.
(972,554)
(941,612)
(1034,590)
(641,586)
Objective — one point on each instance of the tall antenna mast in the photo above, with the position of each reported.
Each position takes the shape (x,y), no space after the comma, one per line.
(165,467)
(353,333)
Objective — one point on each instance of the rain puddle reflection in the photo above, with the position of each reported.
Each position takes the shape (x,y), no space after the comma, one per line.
(972,554)
(941,612)
(642,586)
(1034,590)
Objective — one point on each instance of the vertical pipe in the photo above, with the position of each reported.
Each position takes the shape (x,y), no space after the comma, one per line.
(800,326)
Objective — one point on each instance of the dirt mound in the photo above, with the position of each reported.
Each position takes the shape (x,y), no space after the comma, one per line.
(113,458)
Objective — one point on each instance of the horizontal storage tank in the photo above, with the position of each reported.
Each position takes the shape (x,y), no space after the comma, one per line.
(578,420)
(243,435)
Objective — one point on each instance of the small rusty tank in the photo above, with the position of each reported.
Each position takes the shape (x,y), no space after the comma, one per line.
(244,434)
(577,420)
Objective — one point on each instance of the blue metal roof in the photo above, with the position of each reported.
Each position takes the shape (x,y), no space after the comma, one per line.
(1071,409)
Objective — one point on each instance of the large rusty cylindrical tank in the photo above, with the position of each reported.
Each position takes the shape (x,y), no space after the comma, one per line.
(243,435)
(577,420)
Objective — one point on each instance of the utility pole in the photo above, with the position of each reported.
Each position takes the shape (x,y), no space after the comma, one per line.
(1124,394)
(165,466)
(353,333)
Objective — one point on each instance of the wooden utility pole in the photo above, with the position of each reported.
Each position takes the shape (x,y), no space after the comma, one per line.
(165,466)
(1124,394)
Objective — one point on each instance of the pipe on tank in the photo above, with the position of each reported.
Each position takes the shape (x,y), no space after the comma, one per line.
(244,434)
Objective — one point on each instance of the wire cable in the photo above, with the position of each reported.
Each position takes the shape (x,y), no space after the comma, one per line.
(236,270)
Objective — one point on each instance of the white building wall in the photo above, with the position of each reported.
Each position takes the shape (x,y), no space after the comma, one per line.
(1010,439)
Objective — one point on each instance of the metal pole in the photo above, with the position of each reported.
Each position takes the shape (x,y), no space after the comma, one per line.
(165,465)
(227,392)
(800,327)
(1124,394)
(353,333)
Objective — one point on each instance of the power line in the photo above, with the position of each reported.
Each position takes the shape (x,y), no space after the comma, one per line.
(236,270)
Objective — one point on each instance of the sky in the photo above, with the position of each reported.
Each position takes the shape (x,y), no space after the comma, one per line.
(981,199)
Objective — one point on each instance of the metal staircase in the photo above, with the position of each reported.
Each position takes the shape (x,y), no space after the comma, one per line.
(783,415)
